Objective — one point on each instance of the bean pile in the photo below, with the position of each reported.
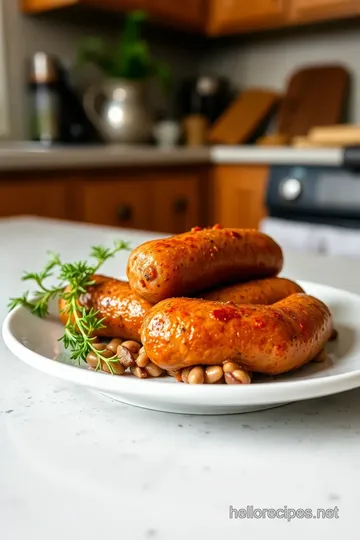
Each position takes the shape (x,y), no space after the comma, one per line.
(125,355)
(130,355)
(228,373)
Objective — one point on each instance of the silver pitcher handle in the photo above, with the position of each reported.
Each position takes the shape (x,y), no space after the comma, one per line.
(89,105)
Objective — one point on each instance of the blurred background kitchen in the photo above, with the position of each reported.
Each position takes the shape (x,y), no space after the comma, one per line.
(161,115)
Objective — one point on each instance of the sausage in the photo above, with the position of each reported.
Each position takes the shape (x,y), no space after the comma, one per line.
(186,264)
(261,291)
(183,332)
(121,308)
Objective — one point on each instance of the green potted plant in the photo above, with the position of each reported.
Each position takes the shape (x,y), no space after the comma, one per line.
(124,115)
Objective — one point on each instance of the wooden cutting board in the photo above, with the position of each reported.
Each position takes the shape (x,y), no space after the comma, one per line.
(330,136)
(315,96)
(243,117)
(341,135)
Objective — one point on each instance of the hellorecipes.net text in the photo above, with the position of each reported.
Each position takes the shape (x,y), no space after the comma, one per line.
(285,513)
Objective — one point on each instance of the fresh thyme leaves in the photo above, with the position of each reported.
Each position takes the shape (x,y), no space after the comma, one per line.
(73,278)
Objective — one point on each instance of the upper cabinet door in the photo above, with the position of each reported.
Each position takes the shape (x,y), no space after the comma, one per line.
(118,5)
(324,9)
(184,13)
(32,6)
(230,16)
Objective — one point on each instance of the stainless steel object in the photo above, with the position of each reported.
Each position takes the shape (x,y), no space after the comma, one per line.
(44,98)
(120,111)
(291,189)
(43,68)
(207,86)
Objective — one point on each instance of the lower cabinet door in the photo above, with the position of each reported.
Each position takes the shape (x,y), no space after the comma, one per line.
(161,202)
(239,195)
(28,196)
(176,204)
(118,203)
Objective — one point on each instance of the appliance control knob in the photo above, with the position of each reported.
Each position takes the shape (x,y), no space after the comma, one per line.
(291,189)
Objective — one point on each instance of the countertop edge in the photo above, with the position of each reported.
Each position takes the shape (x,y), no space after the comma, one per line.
(99,157)
(16,158)
(276,155)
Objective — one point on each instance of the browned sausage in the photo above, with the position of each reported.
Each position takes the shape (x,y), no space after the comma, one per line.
(122,309)
(261,291)
(182,332)
(201,259)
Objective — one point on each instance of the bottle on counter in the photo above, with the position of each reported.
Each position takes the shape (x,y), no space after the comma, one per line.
(196,130)
(44,99)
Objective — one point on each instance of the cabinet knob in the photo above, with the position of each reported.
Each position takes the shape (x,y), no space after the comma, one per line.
(124,212)
(180,206)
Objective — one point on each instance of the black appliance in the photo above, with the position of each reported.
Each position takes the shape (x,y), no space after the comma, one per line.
(75,126)
(317,194)
(207,96)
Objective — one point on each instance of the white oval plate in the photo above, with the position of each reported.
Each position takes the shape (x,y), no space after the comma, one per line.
(35,342)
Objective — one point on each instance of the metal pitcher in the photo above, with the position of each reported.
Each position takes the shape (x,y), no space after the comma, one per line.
(119,110)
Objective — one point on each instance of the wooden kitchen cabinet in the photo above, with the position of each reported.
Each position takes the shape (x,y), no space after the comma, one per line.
(230,16)
(33,6)
(239,195)
(186,13)
(311,10)
(123,203)
(46,197)
(36,6)
(118,5)
(218,17)
(162,200)
(177,203)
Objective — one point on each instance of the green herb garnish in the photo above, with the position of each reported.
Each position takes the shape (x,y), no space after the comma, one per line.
(75,278)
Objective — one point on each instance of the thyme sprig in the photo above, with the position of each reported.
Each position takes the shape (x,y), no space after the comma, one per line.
(73,281)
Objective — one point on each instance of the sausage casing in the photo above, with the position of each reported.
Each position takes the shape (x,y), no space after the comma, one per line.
(188,263)
(121,308)
(182,332)
(261,291)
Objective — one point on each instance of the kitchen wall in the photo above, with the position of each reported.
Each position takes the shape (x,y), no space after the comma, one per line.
(4,120)
(269,60)
(60,33)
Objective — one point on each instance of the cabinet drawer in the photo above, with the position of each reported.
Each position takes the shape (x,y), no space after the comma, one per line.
(176,204)
(45,198)
(124,203)
(164,201)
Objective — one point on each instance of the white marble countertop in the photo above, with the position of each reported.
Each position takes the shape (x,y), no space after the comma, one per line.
(74,465)
(276,155)
(29,156)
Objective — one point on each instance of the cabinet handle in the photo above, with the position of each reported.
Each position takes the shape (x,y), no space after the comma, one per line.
(124,212)
(180,206)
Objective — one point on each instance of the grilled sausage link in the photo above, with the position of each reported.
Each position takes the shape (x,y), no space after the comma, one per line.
(121,308)
(186,264)
(182,332)
(261,291)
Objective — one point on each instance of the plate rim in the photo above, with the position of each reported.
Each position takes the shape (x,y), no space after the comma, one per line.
(265,393)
